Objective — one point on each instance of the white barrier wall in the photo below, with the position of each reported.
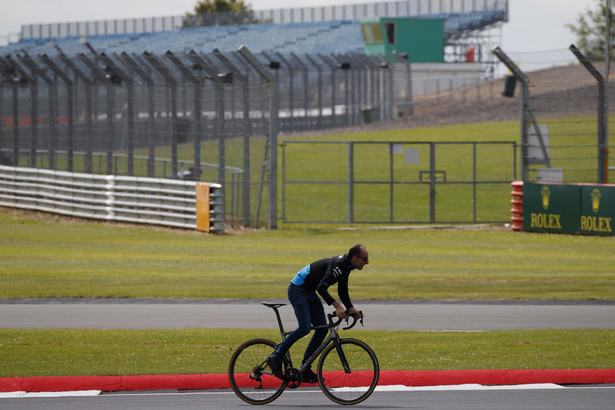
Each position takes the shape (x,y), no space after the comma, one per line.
(153,201)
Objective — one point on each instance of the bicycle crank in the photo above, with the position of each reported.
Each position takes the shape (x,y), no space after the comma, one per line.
(293,377)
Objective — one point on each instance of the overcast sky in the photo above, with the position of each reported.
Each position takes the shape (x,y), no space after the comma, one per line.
(534,37)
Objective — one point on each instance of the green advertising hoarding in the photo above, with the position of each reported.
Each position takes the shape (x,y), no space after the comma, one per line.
(551,208)
(597,209)
(573,209)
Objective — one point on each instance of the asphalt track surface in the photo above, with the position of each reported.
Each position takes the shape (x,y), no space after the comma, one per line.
(432,315)
(469,397)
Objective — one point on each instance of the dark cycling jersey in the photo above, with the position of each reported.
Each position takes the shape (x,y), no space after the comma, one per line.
(319,275)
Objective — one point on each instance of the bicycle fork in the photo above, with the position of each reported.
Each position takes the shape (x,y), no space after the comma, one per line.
(342,355)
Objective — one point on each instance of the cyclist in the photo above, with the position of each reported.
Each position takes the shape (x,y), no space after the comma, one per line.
(318,276)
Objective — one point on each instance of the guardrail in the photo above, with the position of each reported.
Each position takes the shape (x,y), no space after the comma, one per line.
(153,201)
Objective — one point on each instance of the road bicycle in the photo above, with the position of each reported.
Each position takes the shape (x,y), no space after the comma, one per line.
(347,370)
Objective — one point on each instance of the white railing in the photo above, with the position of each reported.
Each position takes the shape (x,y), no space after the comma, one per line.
(153,201)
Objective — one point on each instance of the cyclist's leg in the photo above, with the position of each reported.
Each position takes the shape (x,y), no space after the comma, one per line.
(318,318)
(317,313)
(299,299)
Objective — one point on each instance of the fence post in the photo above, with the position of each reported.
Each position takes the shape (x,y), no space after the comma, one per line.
(151,143)
(247,132)
(603,169)
(351,182)
(332,67)
(291,90)
(526,114)
(196,128)
(306,103)
(273,133)
(88,108)
(17,77)
(432,182)
(172,84)
(69,91)
(117,76)
(319,72)
(205,64)
(52,114)
(98,74)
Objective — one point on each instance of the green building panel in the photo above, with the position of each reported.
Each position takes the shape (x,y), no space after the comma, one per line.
(421,39)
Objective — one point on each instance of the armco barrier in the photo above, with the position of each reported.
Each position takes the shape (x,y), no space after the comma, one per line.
(157,201)
(569,208)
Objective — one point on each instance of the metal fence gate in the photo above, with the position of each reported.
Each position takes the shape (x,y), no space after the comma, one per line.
(397,181)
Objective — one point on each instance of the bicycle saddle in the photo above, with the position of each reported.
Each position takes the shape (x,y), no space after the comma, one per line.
(273,305)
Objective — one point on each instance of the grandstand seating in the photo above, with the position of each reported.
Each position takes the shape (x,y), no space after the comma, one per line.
(327,37)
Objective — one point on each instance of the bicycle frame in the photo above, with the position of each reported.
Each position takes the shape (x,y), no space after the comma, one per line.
(333,336)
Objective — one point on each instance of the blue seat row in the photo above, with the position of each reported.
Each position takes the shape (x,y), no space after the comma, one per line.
(328,37)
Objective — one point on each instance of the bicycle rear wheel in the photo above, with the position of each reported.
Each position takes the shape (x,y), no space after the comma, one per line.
(358,381)
(249,375)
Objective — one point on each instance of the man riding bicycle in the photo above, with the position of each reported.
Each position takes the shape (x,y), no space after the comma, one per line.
(317,277)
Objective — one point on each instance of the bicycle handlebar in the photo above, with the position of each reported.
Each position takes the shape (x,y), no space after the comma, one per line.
(348,316)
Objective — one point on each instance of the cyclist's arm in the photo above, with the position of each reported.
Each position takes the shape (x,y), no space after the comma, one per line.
(330,278)
(345,297)
(323,291)
(327,280)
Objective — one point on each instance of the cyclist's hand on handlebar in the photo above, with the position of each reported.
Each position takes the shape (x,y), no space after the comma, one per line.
(340,312)
(356,313)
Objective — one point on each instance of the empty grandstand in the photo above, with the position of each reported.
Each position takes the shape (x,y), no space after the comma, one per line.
(332,29)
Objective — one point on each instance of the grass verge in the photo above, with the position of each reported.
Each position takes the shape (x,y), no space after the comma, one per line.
(87,259)
(196,351)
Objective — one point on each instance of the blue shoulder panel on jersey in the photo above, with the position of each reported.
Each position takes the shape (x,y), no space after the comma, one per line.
(299,278)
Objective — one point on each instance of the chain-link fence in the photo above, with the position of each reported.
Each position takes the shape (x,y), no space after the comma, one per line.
(397,182)
(563,101)
(185,115)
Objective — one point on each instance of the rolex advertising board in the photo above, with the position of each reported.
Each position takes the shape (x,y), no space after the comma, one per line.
(560,208)
(551,208)
(597,209)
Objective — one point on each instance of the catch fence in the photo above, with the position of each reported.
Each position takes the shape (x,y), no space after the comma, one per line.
(188,115)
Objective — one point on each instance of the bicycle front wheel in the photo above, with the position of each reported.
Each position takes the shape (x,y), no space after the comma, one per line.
(250,378)
(348,373)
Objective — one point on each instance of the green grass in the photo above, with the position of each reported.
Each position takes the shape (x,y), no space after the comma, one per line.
(87,259)
(195,351)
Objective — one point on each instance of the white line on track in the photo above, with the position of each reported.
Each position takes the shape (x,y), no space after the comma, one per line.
(394,388)
(23,394)
(471,387)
